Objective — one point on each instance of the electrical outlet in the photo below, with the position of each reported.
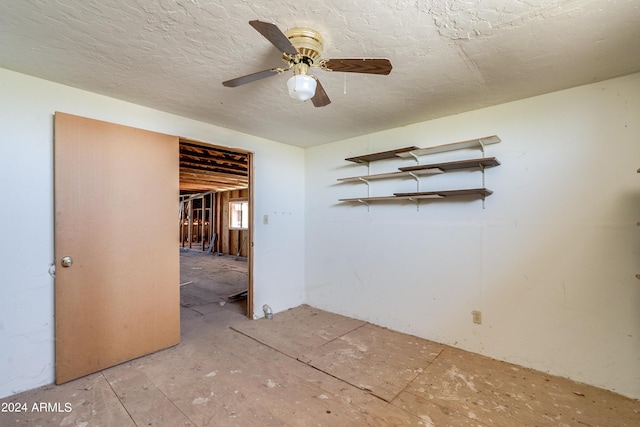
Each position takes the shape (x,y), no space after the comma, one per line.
(477,317)
(265,219)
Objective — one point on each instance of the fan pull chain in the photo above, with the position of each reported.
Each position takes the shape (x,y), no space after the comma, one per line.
(345,83)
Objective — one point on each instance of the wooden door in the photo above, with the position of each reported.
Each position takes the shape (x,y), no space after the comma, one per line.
(116,207)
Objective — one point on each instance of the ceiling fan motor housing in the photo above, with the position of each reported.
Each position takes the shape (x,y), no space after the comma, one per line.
(308,42)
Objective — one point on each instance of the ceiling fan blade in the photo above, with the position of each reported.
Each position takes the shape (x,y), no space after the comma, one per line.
(320,99)
(251,77)
(358,65)
(277,38)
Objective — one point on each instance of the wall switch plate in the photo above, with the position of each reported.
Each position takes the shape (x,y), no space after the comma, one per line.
(265,219)
(477,317)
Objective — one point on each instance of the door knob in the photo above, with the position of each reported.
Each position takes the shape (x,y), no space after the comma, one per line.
(66,261)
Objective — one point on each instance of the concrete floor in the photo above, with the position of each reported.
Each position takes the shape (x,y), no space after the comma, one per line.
(308,367)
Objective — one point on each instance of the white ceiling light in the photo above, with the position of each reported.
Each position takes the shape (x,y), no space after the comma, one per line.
(301,87)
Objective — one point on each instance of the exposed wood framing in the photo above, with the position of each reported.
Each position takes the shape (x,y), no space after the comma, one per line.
(196,212)
(206,168)
(225,173)
(229,241)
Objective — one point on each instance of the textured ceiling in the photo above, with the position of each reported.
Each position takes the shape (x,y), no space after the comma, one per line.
(448,56)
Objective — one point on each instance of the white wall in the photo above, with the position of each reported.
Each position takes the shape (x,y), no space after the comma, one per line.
(550,261)
(27,106)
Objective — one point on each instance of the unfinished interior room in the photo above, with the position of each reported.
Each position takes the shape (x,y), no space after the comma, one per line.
(214,227)
(392,213)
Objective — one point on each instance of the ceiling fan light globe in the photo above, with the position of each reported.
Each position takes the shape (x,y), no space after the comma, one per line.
(301,87)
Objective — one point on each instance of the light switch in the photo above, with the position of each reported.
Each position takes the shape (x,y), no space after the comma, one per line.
(265,219)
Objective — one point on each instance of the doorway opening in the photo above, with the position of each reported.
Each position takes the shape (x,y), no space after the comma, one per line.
(215,228)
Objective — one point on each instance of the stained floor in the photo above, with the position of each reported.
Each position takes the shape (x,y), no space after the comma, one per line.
(309,367)
(207,281)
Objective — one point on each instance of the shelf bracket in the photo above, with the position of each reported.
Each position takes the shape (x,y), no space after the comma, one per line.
(363,202)
(481,146)
(417,178)
(368,192)
(483,184)
(417,202)
(415,157)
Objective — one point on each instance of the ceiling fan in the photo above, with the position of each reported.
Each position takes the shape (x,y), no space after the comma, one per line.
(301,50)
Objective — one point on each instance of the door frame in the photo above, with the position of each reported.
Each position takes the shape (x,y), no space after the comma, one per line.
(250,177)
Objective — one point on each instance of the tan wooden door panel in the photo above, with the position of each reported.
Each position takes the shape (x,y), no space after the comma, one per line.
(116,196)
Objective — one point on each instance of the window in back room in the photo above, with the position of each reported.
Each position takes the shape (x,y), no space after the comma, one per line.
(238,214)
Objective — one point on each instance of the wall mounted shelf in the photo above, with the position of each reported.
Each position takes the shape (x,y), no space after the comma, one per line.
(484,162)
(398,174)
(423,195)
(366,200)
(448,193)
(366,158)
(425,170)
(429,169)
(470,143)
